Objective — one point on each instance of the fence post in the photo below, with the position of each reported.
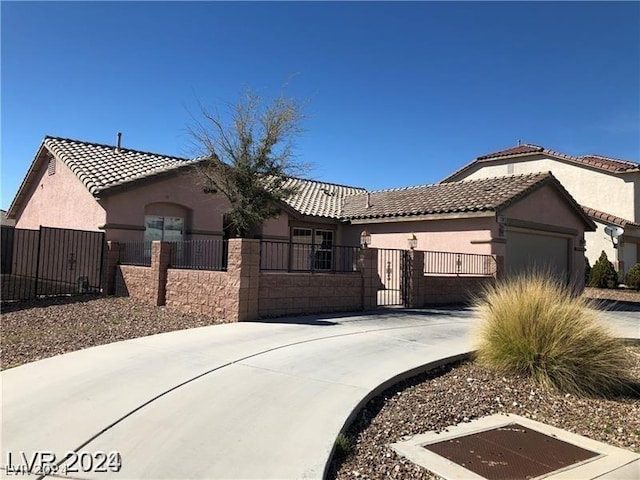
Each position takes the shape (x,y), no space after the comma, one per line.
(112,257)
(243,268)
(368,265)
(160,259)
(415,279)
(500,271)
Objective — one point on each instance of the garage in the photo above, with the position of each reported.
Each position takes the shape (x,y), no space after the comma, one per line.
(528,251)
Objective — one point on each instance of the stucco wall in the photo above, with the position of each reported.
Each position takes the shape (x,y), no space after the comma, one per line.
(60,200)
(457,235)
(277,228)
(178,194)
(546,206)
(608,192)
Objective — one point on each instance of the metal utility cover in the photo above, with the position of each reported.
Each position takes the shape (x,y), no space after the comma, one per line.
(510,452)
(551,447)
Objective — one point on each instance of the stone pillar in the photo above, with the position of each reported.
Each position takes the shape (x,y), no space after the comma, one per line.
(243,268)
(415,279)
(160,260)
(368,265)
(111,259)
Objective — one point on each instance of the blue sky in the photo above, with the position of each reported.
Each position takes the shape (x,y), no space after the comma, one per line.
(400,93)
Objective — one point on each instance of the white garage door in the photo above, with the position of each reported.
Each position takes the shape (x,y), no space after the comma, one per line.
(528,251)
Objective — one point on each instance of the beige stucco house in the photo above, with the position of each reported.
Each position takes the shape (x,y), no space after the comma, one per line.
(527,219)
(608,189)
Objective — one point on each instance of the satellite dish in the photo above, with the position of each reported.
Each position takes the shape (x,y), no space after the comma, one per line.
(613,232)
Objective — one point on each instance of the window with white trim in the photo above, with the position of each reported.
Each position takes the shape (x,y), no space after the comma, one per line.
(311,249)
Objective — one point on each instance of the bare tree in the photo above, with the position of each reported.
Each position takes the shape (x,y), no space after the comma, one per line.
(249,157)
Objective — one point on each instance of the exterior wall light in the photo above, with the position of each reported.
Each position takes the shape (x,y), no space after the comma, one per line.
(413,241)
(365,239)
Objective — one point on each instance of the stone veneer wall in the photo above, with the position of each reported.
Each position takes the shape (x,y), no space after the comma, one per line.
(300,293)
(244,293)
(209,293)
(443,290)
(136,282)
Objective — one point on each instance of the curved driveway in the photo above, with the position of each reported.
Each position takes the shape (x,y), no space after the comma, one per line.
(246,400)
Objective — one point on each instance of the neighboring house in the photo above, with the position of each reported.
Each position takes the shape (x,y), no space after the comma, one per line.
(608,189)
(132,195)
(4,221)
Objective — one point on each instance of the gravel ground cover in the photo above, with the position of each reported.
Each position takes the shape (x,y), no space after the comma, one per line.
(459,393)
(615,295)
(39,329)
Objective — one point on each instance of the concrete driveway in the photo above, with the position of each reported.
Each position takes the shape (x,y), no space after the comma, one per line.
(247,400)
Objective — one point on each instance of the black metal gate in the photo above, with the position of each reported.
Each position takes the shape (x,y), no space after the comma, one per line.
(50,261)
(392,271)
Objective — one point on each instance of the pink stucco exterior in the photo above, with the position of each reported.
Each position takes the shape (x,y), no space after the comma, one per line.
(545,206)
(177,196)
(465,235)
(546,214)
(59,200)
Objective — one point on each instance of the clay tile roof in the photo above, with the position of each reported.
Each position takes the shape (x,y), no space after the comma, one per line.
(517,150)
(607,163)
(101,167)
(488,194)
(598,162)
(608,218)
(319,199)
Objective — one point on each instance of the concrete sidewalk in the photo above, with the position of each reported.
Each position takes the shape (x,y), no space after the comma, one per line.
(247,400)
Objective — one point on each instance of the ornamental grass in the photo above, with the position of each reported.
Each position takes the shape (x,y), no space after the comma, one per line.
(533,326)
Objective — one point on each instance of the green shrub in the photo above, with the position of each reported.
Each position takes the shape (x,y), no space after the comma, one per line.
(632,279)
(603,273)
(343,446)
(587,271)
(532,326)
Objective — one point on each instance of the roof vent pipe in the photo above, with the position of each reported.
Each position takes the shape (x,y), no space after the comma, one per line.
(368,200)
(119,141)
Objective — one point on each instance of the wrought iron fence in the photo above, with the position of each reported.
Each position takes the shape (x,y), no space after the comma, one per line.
(304,257)
(136,252)
(200,255)
(450,263)
(50,261)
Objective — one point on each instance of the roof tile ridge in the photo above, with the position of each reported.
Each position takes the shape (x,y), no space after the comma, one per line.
(401,189)
(601,212)
(293,177)
(611,159)
(122,149)
(513,175)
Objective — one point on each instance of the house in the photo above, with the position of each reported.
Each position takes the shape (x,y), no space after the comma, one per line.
(608,190)
(133,195)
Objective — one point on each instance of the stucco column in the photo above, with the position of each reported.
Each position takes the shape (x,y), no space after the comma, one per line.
(243,268)
(368,265)
(111,259)
(160,260)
